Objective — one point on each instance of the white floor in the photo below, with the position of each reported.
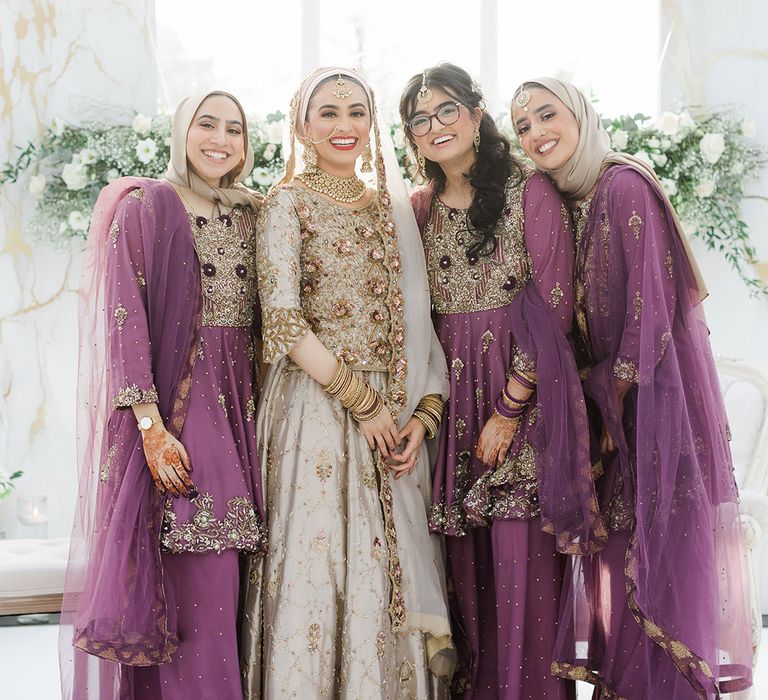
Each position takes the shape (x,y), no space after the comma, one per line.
(29,667)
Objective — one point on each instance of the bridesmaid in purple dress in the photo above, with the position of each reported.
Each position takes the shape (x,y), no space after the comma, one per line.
(512,486)
(170,490)
(661,611)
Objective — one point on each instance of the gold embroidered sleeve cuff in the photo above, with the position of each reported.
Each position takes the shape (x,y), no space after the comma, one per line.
(521,361)
(133,394)
(281,330)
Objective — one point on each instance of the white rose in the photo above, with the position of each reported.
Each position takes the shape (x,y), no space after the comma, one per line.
(57,126)
(142,125)
(748,128)
(712,147)
(654,143)
(643,156)
(74,175)
(269,151)
(660,159)
(619,139)
(37,185)
(670,186)
(737,168)
(87,156)
(275,132)
(686,121)
(112,175)
(705,188)
(146,150)
(262,176)
(398,137)
(668,124)
(77,221)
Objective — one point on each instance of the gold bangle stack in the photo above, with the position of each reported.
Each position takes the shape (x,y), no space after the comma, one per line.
(359,397)
(429,412)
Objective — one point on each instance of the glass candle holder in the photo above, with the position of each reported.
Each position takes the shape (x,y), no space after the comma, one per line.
(32,516)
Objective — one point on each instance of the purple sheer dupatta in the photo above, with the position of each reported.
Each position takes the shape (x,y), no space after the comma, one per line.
(139,319)
(685,568)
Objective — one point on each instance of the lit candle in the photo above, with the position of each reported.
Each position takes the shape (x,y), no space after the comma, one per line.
(31,510)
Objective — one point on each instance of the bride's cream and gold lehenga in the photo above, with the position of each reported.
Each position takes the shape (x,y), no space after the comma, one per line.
(350,601)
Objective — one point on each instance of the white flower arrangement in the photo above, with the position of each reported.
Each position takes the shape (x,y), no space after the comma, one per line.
(703,162)
(69,166)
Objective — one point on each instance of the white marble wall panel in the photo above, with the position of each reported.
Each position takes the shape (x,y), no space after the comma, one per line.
(76,60)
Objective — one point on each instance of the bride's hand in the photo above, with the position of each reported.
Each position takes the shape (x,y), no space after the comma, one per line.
(413,434)
(381,432)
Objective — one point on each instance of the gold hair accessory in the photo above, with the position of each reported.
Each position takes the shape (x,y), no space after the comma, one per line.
(522,99)
(425,94)
(341,90)
(367,165)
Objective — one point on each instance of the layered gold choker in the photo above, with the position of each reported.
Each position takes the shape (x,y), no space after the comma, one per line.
(341,189)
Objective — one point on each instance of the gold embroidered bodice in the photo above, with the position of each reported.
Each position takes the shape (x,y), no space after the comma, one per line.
(344,275)
(460,285)
(226,248)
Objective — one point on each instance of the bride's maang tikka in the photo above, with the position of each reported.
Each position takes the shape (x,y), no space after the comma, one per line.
(341,90)
(522,99)
(425,94)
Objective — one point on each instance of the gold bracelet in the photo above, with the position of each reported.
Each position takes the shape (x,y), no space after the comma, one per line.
(430,425)
(342,374)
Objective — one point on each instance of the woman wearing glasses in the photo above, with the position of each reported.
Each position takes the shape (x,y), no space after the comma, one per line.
(511,455)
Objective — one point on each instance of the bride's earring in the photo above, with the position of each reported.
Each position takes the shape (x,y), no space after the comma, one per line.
(310,158)
(367,165)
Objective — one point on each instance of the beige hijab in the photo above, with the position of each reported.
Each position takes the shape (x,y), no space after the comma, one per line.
(230,192)
(579,175)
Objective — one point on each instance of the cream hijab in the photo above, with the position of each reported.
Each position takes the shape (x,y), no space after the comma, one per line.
(230,192)
(579,175)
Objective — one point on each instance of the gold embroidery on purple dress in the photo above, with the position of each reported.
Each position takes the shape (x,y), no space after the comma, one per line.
(458,365)
(121,314)
(487,339)
(556,295)
(635,222)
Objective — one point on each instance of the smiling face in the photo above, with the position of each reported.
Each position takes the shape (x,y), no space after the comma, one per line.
(548,130)
(445,144)
(341,126)
(215,141)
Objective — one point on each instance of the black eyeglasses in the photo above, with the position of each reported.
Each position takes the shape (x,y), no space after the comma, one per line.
(447,114)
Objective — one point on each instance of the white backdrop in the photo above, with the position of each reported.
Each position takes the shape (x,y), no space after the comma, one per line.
(77,58)
(67,59)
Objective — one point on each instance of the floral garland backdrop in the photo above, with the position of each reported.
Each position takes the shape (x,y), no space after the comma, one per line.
(703,162)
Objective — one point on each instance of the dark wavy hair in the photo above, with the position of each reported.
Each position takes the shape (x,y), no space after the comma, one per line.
(493,167)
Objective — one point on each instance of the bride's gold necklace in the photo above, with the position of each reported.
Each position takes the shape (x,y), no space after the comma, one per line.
(341,189)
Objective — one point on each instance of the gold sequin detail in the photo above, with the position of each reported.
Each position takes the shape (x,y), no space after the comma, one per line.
(240,528)
(281,330)
(458,285)
(487,339)
(635,222)
(223,403)
(250,408)
(461,426)
(130,395)
(227,270)
(313,636)
(626,370)
(140,279)
(457,365)
(380,642)
(556,295)
(637,304)
(479,393)
(114,232)
(670,264)
(121,314)
(137,194)
(324,468)
(104,474)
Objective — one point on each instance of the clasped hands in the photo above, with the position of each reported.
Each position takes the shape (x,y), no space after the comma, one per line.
(381,433)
